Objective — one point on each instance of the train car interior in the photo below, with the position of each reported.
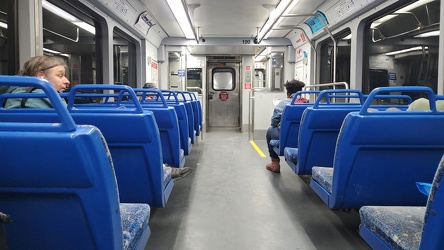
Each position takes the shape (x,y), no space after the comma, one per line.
(170,110)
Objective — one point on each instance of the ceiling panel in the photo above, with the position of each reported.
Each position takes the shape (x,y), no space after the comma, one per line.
(229,19)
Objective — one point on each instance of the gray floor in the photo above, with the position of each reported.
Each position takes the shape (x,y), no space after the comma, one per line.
(230,201)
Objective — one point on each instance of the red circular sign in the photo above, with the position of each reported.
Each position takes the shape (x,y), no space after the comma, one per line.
(223,96)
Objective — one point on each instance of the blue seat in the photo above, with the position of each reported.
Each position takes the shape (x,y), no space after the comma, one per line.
(134,141)
(383,102)
(196,107)
(182,116)
(380,155)
(57,182)
(319,129)
(167,122)
(407,227)
(190,114)
(289,128)
(199,110)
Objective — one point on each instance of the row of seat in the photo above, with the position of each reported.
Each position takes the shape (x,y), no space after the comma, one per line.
(360,154)
(122,103)
(72,186)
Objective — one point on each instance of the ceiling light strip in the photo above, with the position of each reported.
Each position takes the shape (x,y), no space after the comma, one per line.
(181,14)
(405,50)
(67,16)
(275,17)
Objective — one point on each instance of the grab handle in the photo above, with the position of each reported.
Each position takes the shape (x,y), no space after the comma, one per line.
(121,88)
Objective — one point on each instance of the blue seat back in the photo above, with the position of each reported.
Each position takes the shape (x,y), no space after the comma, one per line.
(290,122)
(319,129)
(171,100)
(134,141)
(380,155)
(180,96)
(167,122)
(182,116)
(57,182)
(196,107)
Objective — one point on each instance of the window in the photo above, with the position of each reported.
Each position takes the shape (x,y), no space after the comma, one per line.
(70,34)
(223,79)
(259,78)
(194,80)
(124,58)
(8,45)
(277,71)
(343,50)
(402,47)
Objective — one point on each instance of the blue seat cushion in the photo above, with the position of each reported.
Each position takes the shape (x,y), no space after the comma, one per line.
(323,176)
(291,154)
(166,175)
(399,227)
(424,187)
(274,143)
(135,218)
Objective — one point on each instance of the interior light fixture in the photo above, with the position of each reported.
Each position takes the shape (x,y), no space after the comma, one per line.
(65,15)
(181,14)
(429,34)
(275,17)
(406,9)
(3,25)
(347,37)
(55,52)
(405,50)
(261,52)
(286,12)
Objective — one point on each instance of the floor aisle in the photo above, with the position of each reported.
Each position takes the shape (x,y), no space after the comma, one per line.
(230,201)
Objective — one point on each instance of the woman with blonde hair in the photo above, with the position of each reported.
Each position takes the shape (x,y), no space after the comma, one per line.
(49,68)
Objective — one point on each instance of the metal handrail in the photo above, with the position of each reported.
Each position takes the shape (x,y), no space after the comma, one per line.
(62,36)
(251,109)
(334,84)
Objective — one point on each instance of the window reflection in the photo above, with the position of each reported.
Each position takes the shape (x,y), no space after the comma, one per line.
(402,47)
(3,37)
(343,51)
(223,79)
(124,60)
(71,36)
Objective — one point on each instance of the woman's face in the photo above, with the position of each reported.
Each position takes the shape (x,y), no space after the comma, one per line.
(56,76)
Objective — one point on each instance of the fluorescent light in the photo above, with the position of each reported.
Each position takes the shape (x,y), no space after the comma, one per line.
(429,34)
(65,15)
(382,20)
(179,11)
(414,5)
(287,11)
(3,25)
(91,29)
(407,9)
(59,12)
(348,37)
(259,58)
(405,51)
(55,52)
(276,17)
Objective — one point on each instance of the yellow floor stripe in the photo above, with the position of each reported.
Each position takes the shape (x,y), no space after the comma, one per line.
(258,150)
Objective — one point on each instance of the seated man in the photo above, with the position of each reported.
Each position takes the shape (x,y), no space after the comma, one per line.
(273,132)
